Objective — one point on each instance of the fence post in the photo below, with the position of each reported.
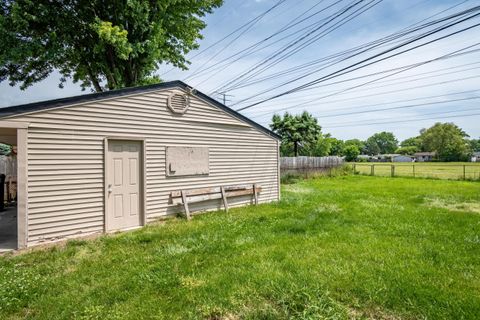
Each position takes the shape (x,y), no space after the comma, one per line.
(393,170)
(372,170)
(354,168)
(464,173)
(413,170)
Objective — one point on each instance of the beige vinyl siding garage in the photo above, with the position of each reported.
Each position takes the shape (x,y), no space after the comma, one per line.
(66,158)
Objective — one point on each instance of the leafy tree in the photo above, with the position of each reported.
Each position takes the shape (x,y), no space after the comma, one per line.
(337,147)
(371,147)
(298,130)
(412,142)
(360,144)
(474,145)
(319,148)
(101,44)
(351,152)
(286,149)
(382,142)
(447,140)
(407,150)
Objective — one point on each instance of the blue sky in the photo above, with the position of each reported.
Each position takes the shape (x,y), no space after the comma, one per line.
(338,106)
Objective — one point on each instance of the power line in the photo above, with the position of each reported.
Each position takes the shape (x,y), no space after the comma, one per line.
(345,71)
(406,100)
(326,32)
(286,27)
(254,21)
(290,48)
(409,120)
(370,46)
(250,22)
(398,107)
(360,64)
(251,49)
(397,72)
(391,80)
(314,62)
(378,94)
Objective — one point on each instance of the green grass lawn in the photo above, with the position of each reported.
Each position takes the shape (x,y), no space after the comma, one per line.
(333,248)
(439,170)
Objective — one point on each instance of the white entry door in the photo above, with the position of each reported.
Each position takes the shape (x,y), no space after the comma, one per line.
(123,185)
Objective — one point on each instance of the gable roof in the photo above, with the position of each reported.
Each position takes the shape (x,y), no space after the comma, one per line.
(56,103)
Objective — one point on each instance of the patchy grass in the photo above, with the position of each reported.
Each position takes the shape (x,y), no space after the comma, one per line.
(453,205)
(334,248)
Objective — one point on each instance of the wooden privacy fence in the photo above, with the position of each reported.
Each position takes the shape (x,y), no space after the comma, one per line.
(309,163)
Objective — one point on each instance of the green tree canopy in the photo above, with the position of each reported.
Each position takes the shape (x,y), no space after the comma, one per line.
(321,146)
(447,140)
(412,142)
(381,143)
(357,142)
(351,152)
(296,130)
(407,150)
(336,147)
(475,145)
(101,44)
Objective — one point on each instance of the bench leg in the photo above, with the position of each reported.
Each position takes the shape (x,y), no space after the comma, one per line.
(185,205)
(255,194)
(224,197)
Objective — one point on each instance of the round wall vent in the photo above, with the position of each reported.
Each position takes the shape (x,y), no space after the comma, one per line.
(178,103)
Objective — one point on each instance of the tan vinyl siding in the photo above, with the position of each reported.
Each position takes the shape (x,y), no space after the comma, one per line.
(66,159)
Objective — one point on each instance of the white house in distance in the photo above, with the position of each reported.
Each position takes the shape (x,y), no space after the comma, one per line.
(424,156)
(475,157)
(113,160)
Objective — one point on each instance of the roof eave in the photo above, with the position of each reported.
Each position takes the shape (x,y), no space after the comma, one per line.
(57,103)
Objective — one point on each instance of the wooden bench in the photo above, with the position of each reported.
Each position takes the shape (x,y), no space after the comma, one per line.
(184,197)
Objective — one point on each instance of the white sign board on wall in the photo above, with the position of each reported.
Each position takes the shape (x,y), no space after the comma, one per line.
(187,161)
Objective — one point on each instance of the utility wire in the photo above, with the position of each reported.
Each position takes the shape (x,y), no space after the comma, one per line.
(412,77)
(377,43)
(254,21)
(291,53)
(247,25)
(251,49)
(284,51)
(397,101)
(398,107)
(408,120)
(360,64)
(379,94)
(397,72)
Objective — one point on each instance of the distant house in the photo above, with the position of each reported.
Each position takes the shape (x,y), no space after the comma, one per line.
(424,156)
(475,157)
(385,158)
(402,158)
(395,157)
(363,157)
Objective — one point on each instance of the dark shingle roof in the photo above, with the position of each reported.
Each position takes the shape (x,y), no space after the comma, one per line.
(49,104)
